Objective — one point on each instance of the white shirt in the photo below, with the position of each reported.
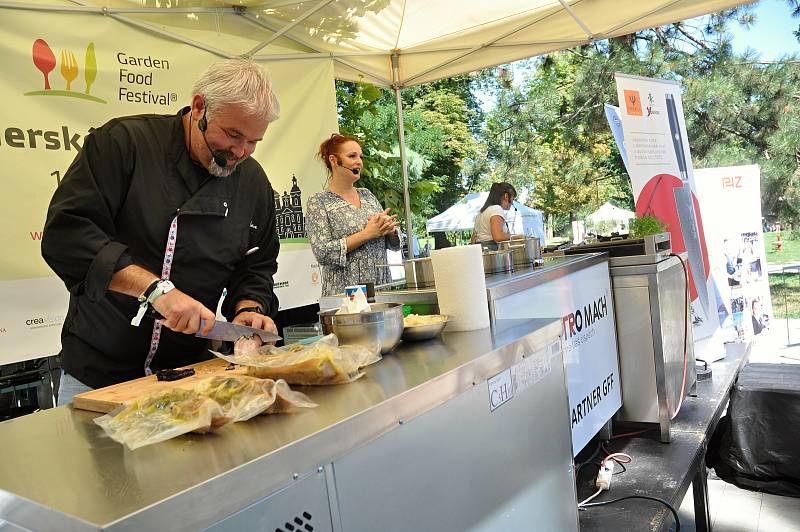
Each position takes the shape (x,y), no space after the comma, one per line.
(483,223)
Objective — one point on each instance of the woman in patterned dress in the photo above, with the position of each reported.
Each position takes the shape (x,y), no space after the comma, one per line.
(348,228)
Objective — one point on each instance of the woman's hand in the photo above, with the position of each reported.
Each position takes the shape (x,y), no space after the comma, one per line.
(378,226)
(381,224)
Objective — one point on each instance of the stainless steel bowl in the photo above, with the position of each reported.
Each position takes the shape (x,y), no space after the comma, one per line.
(497,261)
(418,333)
(381,326)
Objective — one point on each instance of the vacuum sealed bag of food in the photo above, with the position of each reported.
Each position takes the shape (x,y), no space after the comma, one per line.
(160,416)
(322,362)
(288,400)
(242,397)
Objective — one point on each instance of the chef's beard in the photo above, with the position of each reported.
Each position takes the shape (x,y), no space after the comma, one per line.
(223,171)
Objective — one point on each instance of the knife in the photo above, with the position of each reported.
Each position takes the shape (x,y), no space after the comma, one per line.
(685,208)
(230,332)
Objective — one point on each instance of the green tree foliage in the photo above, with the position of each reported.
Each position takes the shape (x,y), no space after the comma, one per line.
(437,117)
(547,133)
(368,113)
(451,105)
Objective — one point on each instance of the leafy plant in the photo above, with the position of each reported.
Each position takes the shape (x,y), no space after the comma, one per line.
(646,225)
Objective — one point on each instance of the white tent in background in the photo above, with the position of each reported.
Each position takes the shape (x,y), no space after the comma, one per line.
(461,217)
(611,213)
(615,218)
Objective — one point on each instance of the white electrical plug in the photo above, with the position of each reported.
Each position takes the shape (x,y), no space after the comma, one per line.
(603,481)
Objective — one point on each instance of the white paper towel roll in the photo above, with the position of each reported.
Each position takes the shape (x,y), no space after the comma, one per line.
(461,287)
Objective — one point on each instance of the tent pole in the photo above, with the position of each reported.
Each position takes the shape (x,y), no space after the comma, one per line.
(402,138)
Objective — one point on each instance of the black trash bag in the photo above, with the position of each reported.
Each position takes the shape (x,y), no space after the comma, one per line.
(756,446)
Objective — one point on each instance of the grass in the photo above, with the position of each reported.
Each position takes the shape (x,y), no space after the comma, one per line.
(790,252)
(785,290)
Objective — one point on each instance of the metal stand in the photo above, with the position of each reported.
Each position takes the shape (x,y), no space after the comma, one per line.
(702,512)
(784,272)
(606,431)
(23,380)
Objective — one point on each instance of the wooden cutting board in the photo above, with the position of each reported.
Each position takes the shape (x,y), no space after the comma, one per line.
(107,399)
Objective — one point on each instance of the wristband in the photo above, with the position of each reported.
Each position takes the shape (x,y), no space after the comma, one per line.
(154,291)
(147,291)
(256,309)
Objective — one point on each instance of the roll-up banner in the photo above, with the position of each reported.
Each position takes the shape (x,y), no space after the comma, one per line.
(615,123)
(730,200)
(57,83)
(662,178)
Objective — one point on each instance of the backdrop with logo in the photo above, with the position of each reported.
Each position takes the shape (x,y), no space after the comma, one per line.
(59,82)
(730,200)
(660,166)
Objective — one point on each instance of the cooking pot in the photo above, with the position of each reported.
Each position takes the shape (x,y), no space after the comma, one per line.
(525,252)
(419,273)
(497,261)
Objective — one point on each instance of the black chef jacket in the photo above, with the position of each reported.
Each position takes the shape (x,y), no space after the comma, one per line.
(114,208)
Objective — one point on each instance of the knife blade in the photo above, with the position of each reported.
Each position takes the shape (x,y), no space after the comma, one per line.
(230,332)
(685,208)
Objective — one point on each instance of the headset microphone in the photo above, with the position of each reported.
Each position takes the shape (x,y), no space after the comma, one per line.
(354,170)
(218,157)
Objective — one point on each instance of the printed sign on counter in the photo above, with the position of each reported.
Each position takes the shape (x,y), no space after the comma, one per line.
(583,302)
(533,368)
(522,375)
(501,389)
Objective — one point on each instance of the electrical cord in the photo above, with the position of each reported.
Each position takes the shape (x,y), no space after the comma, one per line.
(589,460)
(620,458)
(597,465)
(579,468)
(585,505)
(586,500)
(635,433)
(685,334)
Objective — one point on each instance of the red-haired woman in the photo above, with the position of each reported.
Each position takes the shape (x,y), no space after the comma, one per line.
(348,228)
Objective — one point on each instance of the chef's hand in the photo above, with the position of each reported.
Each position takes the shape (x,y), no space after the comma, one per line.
(183,313)
(256,321)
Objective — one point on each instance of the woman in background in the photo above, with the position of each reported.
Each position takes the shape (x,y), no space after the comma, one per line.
(490,224)
(348,228)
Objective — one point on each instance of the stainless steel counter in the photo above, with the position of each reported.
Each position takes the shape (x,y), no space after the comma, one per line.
(60,472)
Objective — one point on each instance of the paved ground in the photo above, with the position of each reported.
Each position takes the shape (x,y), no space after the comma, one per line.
(738,510)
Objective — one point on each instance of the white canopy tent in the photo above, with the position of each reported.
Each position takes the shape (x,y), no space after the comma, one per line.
(391,43)
(461,217)
(609,218)
(610,213)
